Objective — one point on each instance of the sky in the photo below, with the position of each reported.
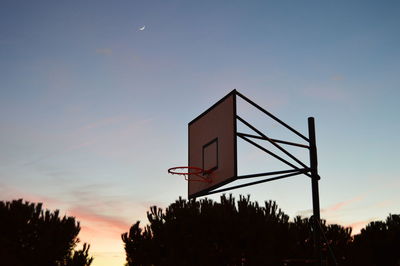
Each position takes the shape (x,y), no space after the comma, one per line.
(95,98)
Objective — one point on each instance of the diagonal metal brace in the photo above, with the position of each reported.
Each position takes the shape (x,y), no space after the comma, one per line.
(275,140)
(273,154)
(272,116)
(254,183)
(305,170)
(273,143)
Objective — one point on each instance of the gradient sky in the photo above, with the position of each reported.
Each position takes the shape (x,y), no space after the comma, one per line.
(94,110)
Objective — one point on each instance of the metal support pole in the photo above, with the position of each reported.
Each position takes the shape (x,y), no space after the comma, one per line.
(315,193)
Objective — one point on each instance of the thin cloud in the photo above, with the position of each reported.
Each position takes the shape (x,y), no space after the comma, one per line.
(14,193)
(96,198)
(58,153)
(329,211)
(95,209)
(384,203)
(343,204)
(90,217)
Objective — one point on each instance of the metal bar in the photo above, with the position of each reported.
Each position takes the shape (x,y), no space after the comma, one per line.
(315,190)
(273,143)
(272,154)
(274,140)
(273,173)
(251,183)
(272,116)
(267,151)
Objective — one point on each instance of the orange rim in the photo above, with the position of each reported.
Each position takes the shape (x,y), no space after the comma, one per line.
(191,171)
(175,170)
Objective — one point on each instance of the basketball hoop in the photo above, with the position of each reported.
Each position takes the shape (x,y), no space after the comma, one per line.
(191,173)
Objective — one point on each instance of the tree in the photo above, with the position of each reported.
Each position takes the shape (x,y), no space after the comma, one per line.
(30,235)
(227,233)
(378,243)
(80,257)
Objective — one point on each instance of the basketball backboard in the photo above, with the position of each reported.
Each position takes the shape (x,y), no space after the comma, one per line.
(212,145)
(213,149)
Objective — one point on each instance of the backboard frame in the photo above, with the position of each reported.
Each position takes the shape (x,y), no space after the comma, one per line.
(300,168)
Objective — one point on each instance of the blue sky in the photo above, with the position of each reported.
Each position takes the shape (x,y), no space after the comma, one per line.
(93,110)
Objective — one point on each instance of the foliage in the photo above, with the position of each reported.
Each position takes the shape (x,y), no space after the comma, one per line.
(30,235)
(227,233)
(378,243)
(80,257)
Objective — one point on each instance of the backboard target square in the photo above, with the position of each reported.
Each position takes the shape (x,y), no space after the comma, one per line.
(210,156)
(212,145)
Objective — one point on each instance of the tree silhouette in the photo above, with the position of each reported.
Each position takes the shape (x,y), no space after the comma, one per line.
(378,243)
(30,235)
(80,257)
(227,233)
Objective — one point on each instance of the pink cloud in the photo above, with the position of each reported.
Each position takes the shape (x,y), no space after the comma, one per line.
(89,217)
(342,204)
(10,193)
